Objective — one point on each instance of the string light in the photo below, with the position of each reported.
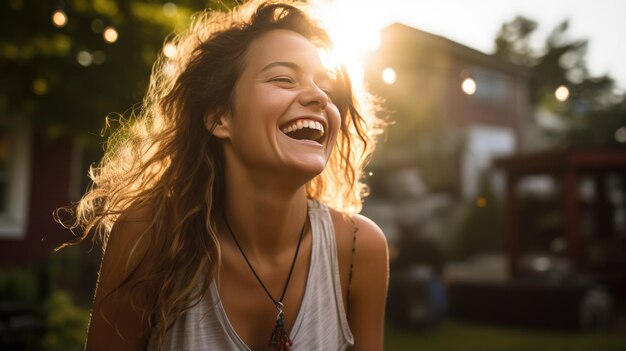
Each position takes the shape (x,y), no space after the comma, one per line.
(389,75)
(110,35)
(40,86)
(59,19)
(169,9)
(469,86)
(169,50)
(84,58)
(561,93)
(481,202)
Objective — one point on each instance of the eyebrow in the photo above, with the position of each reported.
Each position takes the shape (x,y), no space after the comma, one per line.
(281,63)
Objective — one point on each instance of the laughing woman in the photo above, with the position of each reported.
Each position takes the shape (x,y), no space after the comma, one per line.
(227,208)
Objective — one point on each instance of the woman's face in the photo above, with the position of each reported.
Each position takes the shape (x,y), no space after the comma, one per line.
(282,116)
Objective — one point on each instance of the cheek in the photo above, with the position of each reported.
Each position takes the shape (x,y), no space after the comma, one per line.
(265,104)
(334,119)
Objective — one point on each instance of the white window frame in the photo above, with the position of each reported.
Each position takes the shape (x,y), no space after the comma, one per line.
(14,221)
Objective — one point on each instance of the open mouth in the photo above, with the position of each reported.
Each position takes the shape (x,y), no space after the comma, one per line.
(304,129)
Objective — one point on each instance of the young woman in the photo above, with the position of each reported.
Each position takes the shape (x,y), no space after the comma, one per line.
(227,207)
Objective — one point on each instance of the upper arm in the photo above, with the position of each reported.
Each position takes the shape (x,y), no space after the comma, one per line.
(119,318)
(368,288)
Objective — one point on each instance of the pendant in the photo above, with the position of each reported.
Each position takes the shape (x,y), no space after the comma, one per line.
(280,341)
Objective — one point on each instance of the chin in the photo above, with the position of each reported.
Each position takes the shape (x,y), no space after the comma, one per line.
(308,167)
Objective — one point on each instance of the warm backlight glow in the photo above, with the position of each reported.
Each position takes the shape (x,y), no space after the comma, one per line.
(561,93)
(389,75)
(469,86)
(169,69)
(59,18)
(354,27)
(110,35)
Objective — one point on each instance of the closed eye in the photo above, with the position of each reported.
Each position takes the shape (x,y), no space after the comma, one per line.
(283,79)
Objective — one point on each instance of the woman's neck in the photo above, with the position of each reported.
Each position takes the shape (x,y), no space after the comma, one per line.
(266,218)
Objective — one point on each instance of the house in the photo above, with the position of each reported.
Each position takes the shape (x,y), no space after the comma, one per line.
(38,174)
(454,109)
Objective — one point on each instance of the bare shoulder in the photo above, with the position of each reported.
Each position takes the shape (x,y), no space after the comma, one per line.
(362,251)
(362,247)
(369,236)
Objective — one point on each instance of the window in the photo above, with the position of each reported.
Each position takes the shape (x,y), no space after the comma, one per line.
(4,170)
(492,87)
(14,179)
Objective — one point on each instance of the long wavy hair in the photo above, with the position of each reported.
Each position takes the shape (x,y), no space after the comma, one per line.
(163,153)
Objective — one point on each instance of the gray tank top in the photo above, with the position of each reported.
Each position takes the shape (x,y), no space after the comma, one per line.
(321,323)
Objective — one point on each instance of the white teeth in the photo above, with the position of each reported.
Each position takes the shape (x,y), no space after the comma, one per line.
(304,124)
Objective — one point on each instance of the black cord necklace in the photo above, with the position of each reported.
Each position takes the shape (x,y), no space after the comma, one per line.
(279,340)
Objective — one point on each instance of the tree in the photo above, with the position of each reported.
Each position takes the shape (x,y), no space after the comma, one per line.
(594,110)
(66,79)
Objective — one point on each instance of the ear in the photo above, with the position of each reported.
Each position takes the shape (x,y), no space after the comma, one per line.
(218,126)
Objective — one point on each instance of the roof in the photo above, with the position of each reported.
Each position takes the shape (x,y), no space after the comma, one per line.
(560,160)
(404,35)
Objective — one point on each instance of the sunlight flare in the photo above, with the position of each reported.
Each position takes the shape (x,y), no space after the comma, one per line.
(354,27)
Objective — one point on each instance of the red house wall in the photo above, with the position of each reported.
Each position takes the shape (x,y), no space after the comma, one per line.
(49,189)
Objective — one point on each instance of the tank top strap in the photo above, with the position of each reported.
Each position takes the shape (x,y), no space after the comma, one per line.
(326,261)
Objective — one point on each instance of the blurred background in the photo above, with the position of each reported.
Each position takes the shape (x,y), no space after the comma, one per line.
(500,184)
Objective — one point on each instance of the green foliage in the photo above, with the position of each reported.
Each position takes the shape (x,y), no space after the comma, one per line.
(42,79)
(513,41)
(18,286)
(462,336)
(481,227)
(66,324)
(74,269)
(595,108)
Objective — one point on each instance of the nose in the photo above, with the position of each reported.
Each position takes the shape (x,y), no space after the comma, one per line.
(312,95)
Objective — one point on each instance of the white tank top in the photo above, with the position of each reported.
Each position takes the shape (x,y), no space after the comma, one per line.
(321,323)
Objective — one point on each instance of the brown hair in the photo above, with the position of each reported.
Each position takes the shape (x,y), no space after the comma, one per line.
(162,155)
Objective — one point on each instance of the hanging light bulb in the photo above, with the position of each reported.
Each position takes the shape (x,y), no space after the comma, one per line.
(169,50)
(169,9)
(84,58)
(389,75)
(561,93)
(469,86)
(59,18)
(110,35)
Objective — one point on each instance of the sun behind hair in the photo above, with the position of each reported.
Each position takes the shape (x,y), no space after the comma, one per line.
(164,159)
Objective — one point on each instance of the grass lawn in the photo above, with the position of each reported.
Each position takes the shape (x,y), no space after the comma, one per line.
(454,335)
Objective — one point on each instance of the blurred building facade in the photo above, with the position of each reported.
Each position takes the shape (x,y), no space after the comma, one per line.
(453,108)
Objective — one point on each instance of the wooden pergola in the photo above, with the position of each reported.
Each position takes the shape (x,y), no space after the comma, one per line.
(568,166)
